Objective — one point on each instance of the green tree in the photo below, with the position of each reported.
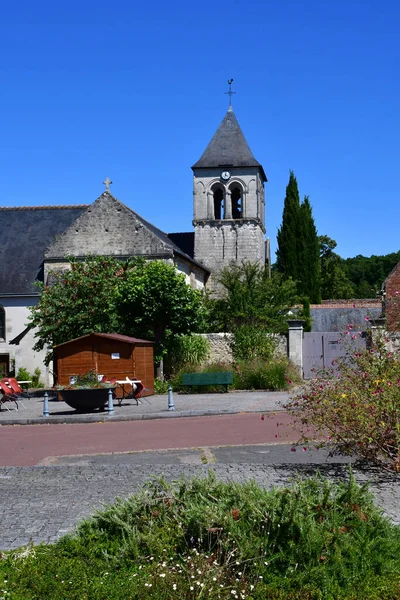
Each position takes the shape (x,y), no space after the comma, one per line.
(288,234)
(334,281)
(309,265)
(298,246)
(154,302)
(80,300)
(253,298)
(138,298)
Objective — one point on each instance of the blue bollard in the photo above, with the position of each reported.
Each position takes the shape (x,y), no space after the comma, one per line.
(171,405)
(46,405)
(110,407)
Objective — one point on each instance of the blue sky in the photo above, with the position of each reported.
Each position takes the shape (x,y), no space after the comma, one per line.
(134,91)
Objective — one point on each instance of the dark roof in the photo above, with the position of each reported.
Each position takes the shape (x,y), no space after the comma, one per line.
(185,241)
(228,148)
(166,239)
(111,336)
(25,232)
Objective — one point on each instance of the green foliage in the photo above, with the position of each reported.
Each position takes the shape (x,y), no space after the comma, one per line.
(154,301)
(307,315)
(298,245)
(334,281)
(368,273)
(24,375)
(254,374)
(202,538)
(252,298)
(250,342)
(161,387)
(80,300)
(148,300)
(288,234)
(355,405)
(309,265)
(185,351)
(275,374)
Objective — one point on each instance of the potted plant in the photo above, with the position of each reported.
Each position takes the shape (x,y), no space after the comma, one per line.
(86,392)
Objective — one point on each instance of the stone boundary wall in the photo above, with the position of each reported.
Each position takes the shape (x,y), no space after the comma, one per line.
(220,350)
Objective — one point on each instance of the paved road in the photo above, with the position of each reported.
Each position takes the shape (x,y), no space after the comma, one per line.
(28,445)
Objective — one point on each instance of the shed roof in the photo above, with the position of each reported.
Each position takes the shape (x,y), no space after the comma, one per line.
(111,336)
(228,148)
(26,231)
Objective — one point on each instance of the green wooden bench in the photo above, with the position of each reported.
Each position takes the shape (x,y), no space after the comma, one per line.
(192,379)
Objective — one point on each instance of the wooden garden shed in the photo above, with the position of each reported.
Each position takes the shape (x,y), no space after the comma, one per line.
(109,354)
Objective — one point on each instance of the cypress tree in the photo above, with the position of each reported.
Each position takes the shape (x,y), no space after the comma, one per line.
(288,234)
(298,244)
(309,264)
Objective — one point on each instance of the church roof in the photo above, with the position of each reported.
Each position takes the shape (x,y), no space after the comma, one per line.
(26,231)
(228,147)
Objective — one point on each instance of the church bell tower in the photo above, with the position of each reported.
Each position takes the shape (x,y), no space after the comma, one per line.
(229,205)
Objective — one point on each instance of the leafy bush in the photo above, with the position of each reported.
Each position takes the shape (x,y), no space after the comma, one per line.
(185,351)
(276,374)
(202,538)
(161,387)
(250,342)
(355,405)
(24,375)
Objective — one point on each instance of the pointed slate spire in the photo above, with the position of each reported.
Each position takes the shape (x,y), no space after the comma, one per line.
(228,147)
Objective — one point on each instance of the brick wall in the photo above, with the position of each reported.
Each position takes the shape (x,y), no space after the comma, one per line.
(392,300)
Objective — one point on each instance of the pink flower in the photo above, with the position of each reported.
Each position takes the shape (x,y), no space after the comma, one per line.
(366,318)
(262,417)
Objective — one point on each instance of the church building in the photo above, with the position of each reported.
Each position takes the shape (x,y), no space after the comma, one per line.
(229,228)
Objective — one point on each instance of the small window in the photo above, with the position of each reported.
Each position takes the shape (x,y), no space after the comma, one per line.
(2,323)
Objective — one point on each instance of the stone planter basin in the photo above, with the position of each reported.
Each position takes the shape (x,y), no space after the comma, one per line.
(84,399)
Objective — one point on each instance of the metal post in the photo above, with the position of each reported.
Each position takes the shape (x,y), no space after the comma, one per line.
(46,405)
(110,403)
(171,405)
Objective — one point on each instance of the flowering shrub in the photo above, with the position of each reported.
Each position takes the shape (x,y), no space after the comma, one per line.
(355,405)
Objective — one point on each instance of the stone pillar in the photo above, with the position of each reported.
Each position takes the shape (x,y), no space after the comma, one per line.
(210,206)
(377,328)
(295,343)
(228,206)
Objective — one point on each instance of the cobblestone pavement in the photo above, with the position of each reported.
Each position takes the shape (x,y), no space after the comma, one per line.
(43,503)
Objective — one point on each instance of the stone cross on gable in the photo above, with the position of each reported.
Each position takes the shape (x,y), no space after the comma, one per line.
(107,183)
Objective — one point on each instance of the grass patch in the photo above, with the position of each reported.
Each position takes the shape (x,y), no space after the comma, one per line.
(202,538)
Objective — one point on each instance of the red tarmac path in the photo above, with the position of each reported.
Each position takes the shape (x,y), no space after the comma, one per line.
(29,445)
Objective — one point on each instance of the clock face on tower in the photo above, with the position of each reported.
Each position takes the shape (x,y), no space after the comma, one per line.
(225,175)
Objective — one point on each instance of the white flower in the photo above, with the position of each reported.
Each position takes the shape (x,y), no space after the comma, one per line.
(174,586)
(162,574)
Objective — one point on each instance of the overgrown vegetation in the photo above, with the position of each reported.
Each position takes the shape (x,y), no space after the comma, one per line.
(202,538)
(185,351)
(24,375)
(355,404)
(252,298)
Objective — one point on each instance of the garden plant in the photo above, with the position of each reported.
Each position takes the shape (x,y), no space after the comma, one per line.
(202,538)
(354,406)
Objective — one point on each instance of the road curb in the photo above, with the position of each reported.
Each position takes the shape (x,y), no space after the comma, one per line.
(99,418)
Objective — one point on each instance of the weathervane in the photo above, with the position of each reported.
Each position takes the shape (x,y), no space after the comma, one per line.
(230,93)
(107,183)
